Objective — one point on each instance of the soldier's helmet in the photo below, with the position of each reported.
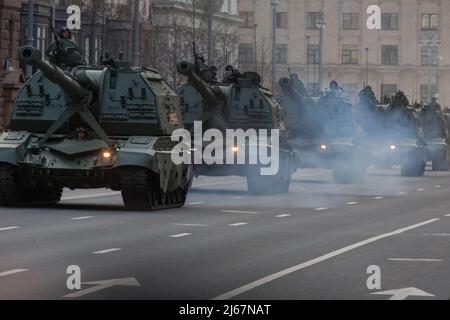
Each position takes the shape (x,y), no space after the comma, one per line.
(334,85)
(65,33)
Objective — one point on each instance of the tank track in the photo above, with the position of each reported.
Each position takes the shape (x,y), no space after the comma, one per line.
(15,192)
(277,184)
(141,192)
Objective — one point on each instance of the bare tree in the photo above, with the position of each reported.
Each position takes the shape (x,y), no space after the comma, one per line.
(172,38)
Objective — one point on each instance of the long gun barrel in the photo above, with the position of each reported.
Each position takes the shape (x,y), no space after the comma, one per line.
(33,56)
(188,69)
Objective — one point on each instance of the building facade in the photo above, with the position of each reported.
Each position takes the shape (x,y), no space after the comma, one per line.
(10,73)
(410,53)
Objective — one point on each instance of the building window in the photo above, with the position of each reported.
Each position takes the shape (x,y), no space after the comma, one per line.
(387,92)
(426,58)
(281,53)
(424,93)
(87,50)
(41,36)
(313,54)
(351,91)
(313,88)
(312,19)
(350,55)
(389,55)
(350,21)
(389,21)
(249,19)
(246,54)
(429,22)
(282,20)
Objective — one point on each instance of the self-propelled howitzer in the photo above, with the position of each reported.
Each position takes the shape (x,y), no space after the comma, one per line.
(323,133)
(237,104)
(92,127)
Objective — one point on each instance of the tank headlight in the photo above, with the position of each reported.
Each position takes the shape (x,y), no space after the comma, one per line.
(323,147)
(393,147)
(106,154)
(235,149)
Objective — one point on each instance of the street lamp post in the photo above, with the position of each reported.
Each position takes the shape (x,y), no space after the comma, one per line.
(307,60)
(321,24)
(210,33)
(30,39)
(255,48)
(367,66)
(275,4)
(136,40)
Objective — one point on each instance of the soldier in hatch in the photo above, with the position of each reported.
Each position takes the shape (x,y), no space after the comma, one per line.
(63,51)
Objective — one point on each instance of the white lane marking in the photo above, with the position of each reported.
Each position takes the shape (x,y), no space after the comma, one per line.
(320,209)
(401,193)
(107,251)
(437,187)
(437,234)
(180,235)
(448,215)
(10,272)
(9,228)
(104,284)
(283,215)
(403,294)
(238,198)
(215,184)
(421,189)
(351,203)
(415,260)
(238,211)
(238,224)
(191,225)
(83,218)
(378,198)
(195,203)
(89,196)
(280,274)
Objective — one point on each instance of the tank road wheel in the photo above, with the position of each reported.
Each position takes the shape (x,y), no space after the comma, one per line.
(441,163)
(413,167)
(141,192)
(15,191)
(261,185)
(9,193)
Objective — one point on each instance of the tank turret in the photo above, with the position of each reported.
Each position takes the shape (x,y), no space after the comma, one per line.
(33,56)
(188,69)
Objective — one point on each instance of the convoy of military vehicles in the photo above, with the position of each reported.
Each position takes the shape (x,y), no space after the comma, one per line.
(110,126)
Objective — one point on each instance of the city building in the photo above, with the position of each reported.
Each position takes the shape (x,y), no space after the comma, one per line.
(173,34)
(10,73)
(106,25)
(411,52)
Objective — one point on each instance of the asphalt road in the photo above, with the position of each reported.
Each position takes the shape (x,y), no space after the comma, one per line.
(316,242)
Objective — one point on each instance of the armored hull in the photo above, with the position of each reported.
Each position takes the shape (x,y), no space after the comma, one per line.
(87,127)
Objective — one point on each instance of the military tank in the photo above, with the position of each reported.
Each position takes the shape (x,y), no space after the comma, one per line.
(323,133)
(238,103)
(434,125)
(393,133)
(79,126)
